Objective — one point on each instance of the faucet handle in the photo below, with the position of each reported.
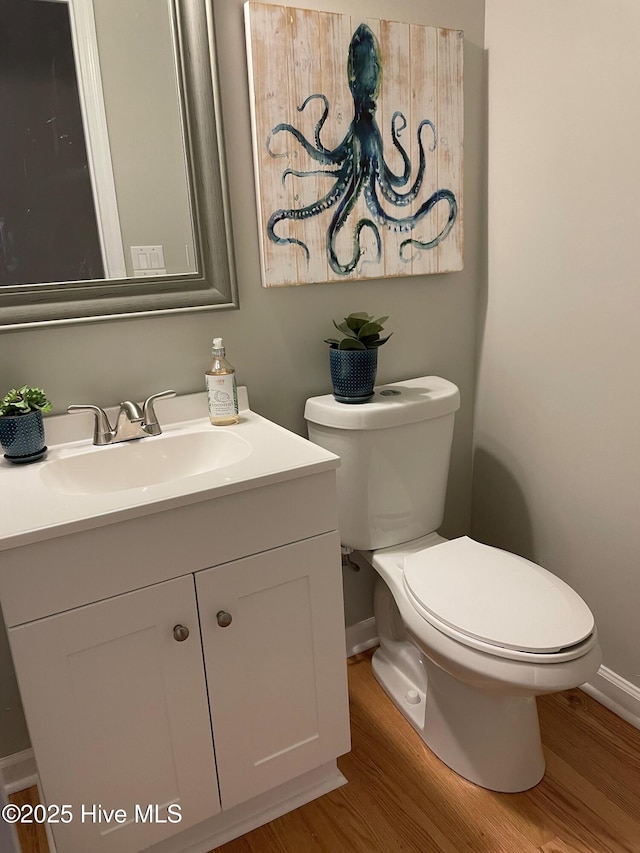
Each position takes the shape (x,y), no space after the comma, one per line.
(152,427)
(102,432)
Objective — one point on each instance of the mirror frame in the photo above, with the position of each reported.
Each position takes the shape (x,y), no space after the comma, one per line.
(214,284)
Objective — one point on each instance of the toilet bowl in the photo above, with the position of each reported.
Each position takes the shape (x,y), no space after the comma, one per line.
(469,634)
(473,701)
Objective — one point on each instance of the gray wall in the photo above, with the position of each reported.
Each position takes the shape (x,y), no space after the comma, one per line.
(275,339)
(557,459)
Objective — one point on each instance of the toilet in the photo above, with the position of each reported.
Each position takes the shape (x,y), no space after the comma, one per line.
(469,634)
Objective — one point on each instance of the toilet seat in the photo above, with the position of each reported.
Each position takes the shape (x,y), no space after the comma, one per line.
(498,602)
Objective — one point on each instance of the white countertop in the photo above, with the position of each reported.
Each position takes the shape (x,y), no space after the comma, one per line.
(32,511)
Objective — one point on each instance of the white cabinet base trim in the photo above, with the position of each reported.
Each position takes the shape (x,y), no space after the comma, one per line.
(256,812)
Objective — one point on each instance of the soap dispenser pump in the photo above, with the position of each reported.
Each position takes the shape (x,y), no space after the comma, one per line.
(221,388)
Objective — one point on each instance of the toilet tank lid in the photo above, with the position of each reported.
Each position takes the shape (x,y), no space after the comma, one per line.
(405,402)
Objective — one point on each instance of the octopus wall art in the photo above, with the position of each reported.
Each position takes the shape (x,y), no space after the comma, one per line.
(357,133)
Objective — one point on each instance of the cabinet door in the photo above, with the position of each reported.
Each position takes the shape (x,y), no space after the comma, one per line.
(118,717)
(277,672)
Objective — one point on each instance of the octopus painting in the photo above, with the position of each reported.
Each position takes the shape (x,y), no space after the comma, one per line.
(362,197)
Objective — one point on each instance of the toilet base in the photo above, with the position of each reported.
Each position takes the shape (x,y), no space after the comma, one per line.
(488,737)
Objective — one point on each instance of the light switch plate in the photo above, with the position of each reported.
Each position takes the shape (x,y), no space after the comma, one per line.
(149,258)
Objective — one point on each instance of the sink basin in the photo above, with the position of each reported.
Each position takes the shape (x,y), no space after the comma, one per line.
(142,463)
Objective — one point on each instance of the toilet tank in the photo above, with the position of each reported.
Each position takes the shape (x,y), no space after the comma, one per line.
(394,453)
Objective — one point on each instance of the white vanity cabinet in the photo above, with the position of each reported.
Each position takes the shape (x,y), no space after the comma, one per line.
(184,655)
(118,707)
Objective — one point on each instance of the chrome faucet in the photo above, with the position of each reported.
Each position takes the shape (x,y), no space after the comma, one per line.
(134,420)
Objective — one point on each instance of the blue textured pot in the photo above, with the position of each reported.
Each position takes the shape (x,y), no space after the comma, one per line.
(22,437)
(353,374)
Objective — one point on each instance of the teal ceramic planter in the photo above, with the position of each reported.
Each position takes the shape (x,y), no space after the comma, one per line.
(22,437)
(353,374)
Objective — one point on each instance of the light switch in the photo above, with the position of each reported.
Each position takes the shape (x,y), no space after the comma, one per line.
(148,260)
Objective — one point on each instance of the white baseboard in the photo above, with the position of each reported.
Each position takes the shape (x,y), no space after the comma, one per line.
(616,694)
(361,636)
(17,772)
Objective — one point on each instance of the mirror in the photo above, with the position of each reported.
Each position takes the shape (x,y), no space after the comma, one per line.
(137,219)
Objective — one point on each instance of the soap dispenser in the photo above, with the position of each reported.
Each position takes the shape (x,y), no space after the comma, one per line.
(221,388)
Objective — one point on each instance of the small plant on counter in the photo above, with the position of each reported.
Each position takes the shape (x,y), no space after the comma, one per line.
(21,401)
(361,331)
(21,427)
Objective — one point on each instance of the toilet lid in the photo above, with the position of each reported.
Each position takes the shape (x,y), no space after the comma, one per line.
(498,598)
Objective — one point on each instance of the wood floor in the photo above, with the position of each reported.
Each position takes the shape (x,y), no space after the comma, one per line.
(401,799)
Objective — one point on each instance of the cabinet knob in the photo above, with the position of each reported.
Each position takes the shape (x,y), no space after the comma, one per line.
(224,618)
(180,633)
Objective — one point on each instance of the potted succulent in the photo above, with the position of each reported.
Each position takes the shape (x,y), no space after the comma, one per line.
(21,427)
(353,359)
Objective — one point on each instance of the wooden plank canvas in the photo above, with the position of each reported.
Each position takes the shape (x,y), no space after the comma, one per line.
(357,137)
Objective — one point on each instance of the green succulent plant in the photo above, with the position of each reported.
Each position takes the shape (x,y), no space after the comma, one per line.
(360,330)
(21,401)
